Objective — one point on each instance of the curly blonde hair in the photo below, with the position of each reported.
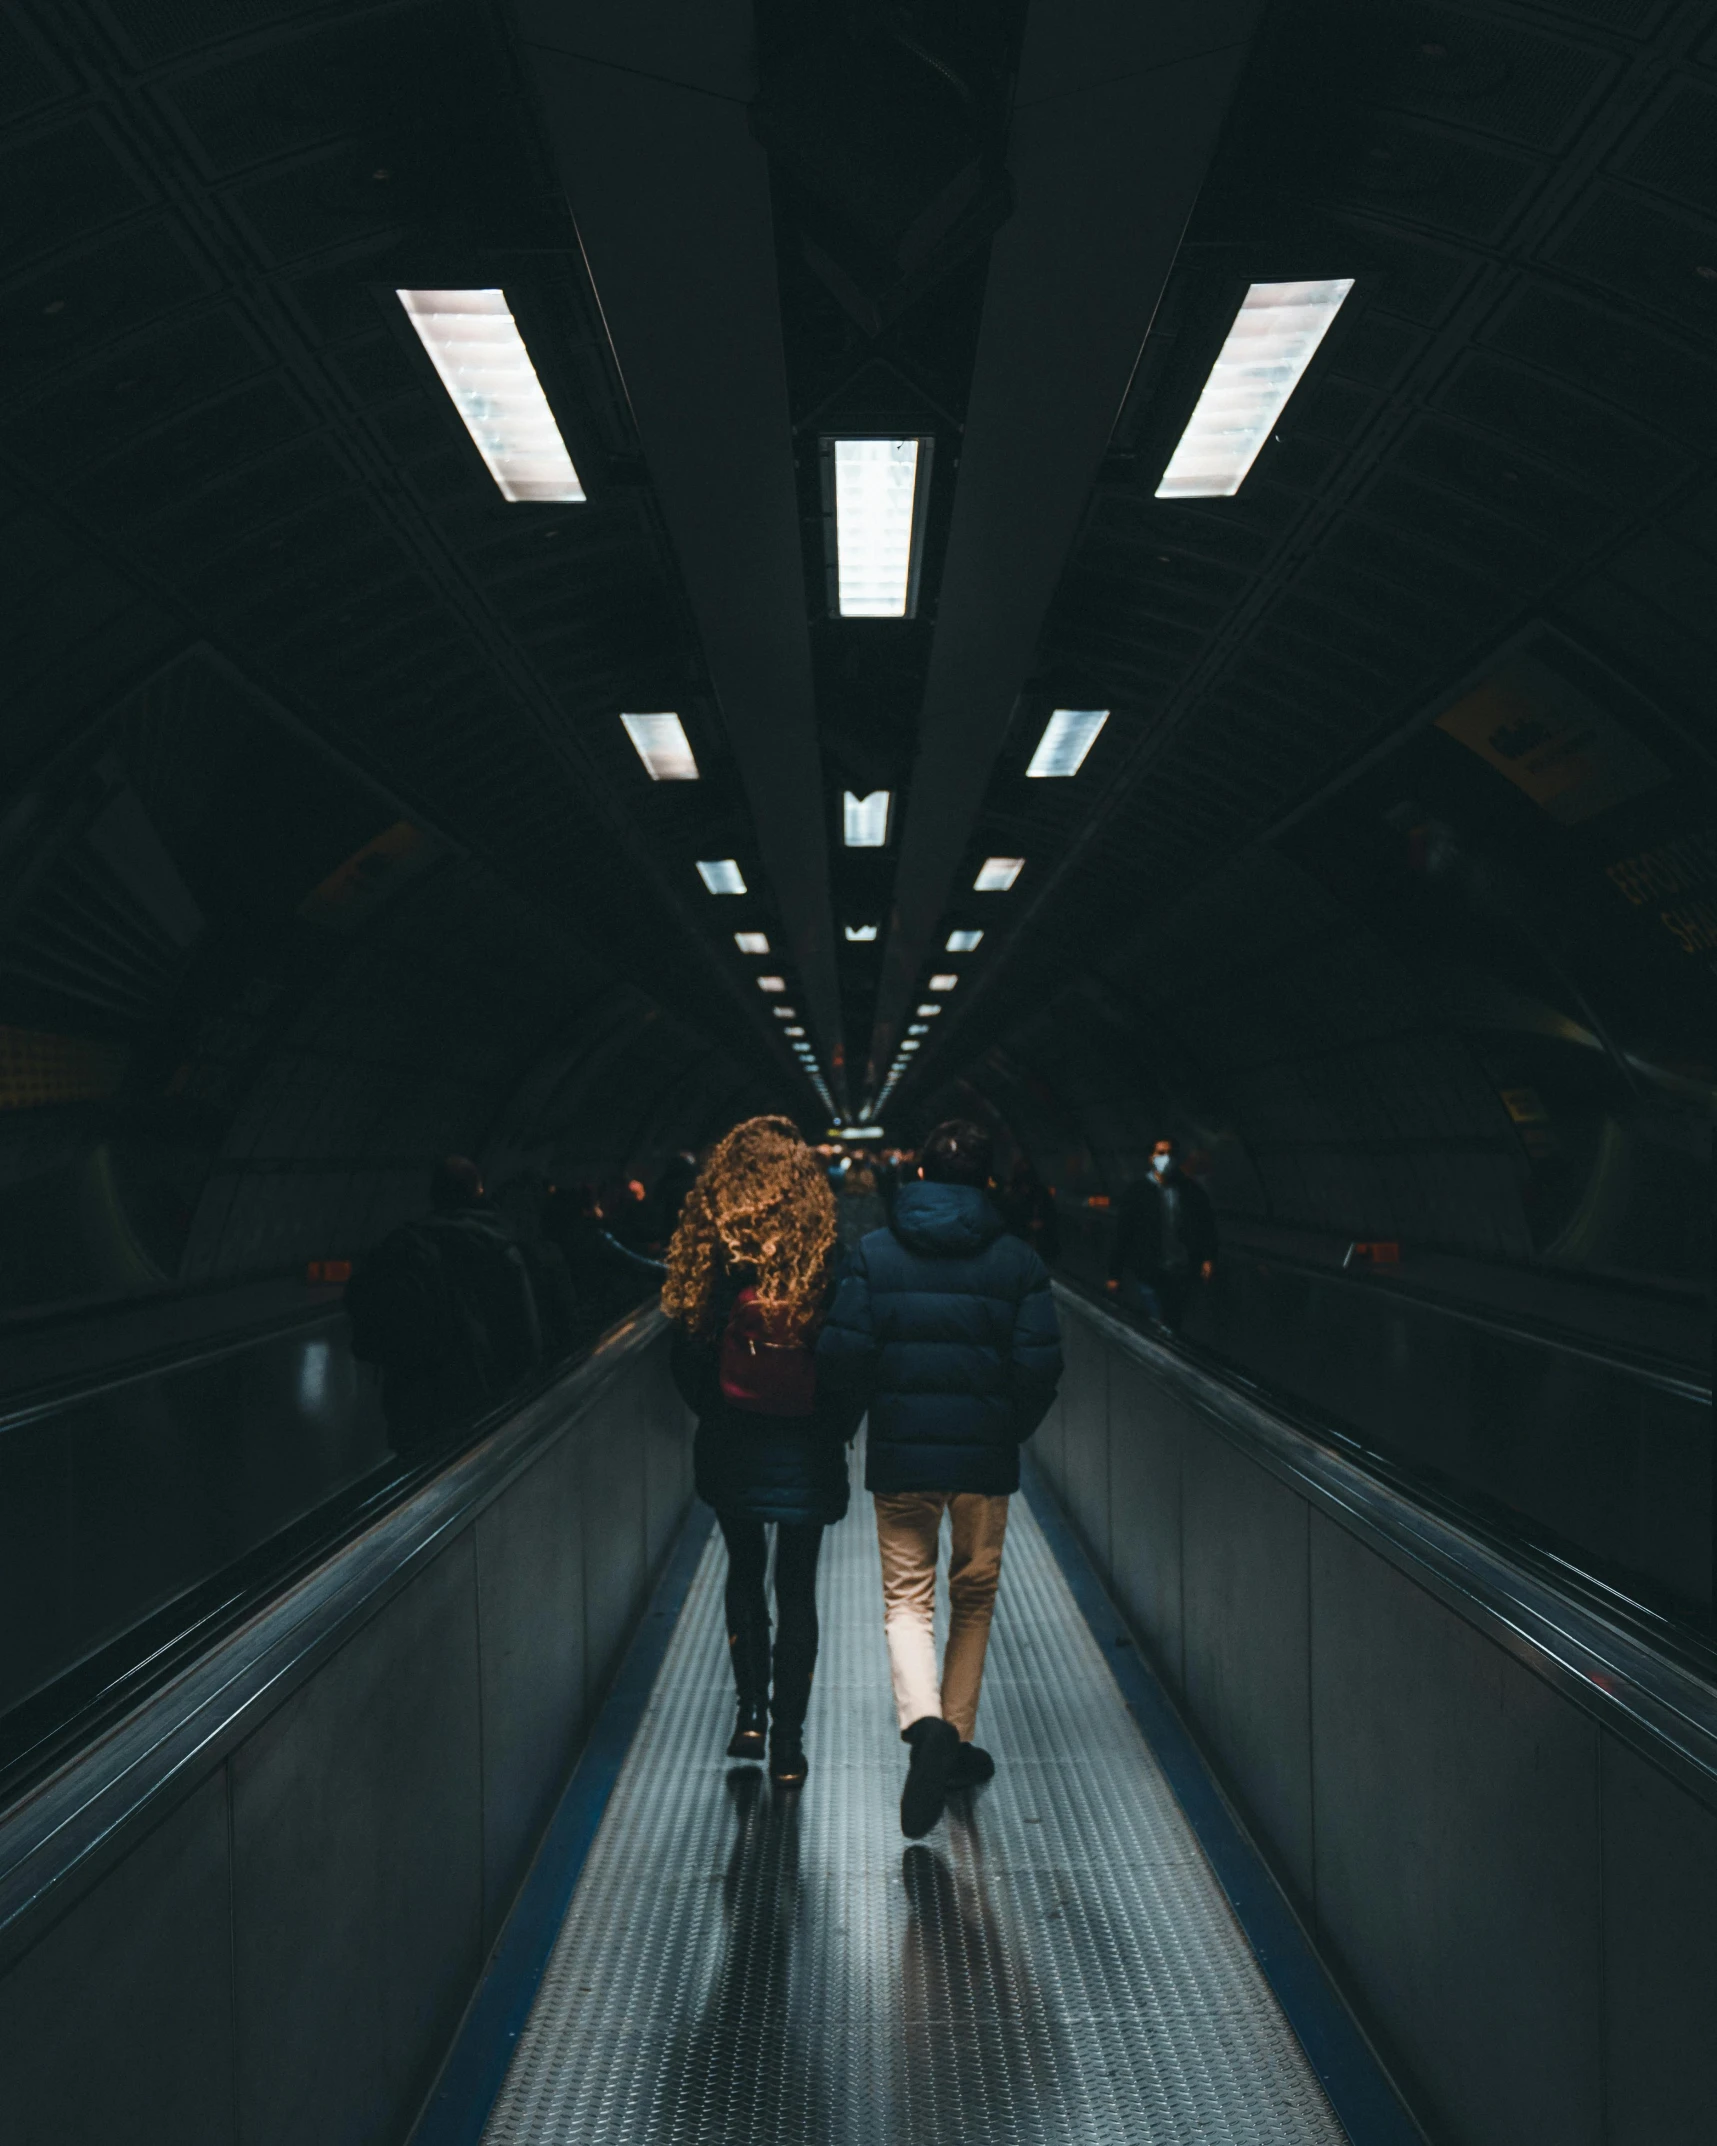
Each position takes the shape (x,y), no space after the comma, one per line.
(762,1212)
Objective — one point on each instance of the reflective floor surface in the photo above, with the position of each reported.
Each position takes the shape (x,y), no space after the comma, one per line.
(1055,1963)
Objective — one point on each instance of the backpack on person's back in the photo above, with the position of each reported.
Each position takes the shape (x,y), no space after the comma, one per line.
(768,1361)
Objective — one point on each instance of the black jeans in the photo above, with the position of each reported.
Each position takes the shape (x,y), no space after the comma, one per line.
(797,1546)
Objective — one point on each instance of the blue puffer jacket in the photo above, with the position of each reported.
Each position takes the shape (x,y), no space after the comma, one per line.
(944,1327)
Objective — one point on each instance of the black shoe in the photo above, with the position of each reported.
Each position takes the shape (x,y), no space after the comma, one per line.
(934,1747)
(747,1740)
(788,1764)
(972,1767)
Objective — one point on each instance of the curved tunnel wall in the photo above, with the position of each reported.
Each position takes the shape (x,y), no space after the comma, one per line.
(251,1001)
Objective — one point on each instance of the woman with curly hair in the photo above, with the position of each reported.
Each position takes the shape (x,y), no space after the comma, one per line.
(750,1277)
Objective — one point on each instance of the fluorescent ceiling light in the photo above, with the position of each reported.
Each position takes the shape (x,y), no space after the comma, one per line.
(864,820)
(860,934)
(662,746)
(751,942)
(929,1007)
(997,874)
(1067,737)
(721,875)
(474,344)
(1275,332)
(919,1028)
(792,1031)
(876,483)
(945,982)
(772,983)
(963,942)
(784,1013)
(909,1045)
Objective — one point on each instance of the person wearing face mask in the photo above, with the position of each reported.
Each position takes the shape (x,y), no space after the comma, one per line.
(1165,1240)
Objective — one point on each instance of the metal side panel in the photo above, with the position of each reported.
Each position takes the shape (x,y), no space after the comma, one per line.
(1056,1962)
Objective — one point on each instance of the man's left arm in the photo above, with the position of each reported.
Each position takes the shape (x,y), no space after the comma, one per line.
(1034,1358)
(847,1346)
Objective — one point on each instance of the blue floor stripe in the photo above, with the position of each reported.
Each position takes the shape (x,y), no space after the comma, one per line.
(477,2064)
(1371,2112)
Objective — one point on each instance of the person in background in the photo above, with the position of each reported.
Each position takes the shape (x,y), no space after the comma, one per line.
(1165,1240)
(750,1272)
(1028,1208)
(445,1307)
(523,1204)
(678,1175)
(608,1277)
(944,1327)
(625,1213)
(859,1206)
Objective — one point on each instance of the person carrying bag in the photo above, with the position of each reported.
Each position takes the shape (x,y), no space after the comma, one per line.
(750,1277)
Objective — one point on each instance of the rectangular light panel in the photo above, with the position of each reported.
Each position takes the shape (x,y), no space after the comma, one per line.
(1067,737)
(918,1028)
(792,1032)
(876,482)
(662,746)
(751,942)
(1275,333)
(785,1013)
(721,875)
(997,874)
(474,344)
(860,934)
(864,820)
(929,1007)
(964,942)
(911,1044)
(772,983)
(945,982)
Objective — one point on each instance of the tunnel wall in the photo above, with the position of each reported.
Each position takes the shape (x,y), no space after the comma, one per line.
(305,1895)
(1523,1900)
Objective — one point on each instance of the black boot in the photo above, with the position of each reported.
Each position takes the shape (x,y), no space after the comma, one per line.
(788,1703)
(935,1745)
(972,1767)
(749,1651)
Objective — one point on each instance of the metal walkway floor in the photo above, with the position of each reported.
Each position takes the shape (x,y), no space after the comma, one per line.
(1056,1963)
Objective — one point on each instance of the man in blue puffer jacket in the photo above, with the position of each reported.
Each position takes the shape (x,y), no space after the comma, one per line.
(944,1328)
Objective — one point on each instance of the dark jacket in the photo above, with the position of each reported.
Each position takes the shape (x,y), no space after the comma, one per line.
(944,1328)
(751,1467)
(1166,1226)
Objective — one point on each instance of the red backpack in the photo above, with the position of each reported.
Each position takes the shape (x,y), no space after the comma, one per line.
(767,1368)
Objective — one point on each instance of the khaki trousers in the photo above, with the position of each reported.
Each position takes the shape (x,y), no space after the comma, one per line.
(908,1532)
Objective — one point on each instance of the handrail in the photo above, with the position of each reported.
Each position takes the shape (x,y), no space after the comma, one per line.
(1650,1369)
(32,1403)
(65,1830)
(1663,1707)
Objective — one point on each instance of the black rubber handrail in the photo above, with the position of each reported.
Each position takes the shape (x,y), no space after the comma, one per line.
(1667,1374)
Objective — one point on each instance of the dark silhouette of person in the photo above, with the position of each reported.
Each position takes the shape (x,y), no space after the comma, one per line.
(608,1277)
(667,1196)
(445,1306)
(1165,1240)
(1028,1209)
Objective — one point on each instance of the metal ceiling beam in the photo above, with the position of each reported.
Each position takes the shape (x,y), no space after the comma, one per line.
(1115,119)
(646,108)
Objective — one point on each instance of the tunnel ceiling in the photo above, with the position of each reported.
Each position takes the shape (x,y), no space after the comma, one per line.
(1505,445)
(222,443)
(730,233)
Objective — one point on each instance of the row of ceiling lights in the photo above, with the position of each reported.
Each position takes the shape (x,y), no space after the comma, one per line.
(879,488)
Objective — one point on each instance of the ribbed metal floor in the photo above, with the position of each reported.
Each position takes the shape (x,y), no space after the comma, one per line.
(1056,1963)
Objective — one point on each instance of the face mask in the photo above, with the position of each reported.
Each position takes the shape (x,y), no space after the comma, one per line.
(1160,1164)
